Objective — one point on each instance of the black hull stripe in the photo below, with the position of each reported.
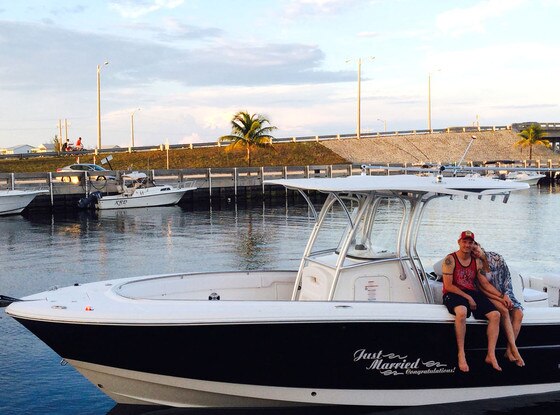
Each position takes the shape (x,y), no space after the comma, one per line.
(316,355)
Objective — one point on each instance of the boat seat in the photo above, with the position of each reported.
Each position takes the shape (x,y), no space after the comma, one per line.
(437,291)
(437,269)
(531,295)
(552,283)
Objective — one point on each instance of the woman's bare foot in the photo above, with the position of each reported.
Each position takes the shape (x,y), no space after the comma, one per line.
(514,358)
(493,362)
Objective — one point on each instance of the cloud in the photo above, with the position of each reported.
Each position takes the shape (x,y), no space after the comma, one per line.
(136,8)
(173,30)
(465,20)
(67,59)
(62,10)
(369,34)
(299,8)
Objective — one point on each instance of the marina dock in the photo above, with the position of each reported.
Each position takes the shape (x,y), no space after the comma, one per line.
(216,187)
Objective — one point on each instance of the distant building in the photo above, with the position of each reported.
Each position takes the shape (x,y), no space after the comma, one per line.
(19,149)
(44,148)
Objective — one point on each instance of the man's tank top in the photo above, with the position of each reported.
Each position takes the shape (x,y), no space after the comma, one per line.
(464,277)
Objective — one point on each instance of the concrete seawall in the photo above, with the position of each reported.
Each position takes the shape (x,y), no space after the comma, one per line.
(437,147)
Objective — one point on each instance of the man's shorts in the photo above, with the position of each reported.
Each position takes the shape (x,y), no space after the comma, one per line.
(483,304)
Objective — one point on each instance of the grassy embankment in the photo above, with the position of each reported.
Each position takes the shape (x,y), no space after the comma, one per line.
(289,154)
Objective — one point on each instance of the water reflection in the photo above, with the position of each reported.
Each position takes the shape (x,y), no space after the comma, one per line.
(252,247)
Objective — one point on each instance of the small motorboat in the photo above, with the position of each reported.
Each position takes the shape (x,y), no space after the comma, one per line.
(529,177)
(14,201)
(359,323)
(138,190)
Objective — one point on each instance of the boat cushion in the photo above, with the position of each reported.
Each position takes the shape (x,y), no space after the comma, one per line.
(531,295)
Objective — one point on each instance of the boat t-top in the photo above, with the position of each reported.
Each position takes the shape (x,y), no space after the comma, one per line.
(359,323)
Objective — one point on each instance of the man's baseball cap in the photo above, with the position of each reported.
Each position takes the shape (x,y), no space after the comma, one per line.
(467,235)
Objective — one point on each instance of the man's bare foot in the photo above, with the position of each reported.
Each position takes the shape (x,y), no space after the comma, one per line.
(463,366)
(493,362)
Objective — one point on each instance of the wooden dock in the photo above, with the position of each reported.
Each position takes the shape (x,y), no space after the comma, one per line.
(215,187)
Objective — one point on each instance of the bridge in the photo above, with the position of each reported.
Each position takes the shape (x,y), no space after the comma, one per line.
(552,130)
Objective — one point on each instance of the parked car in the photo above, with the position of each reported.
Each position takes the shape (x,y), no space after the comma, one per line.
(95,171)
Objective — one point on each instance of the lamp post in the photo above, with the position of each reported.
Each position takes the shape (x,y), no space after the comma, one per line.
(99,105)
(384,124)
(430,100)
(359,115)
(132,127)
(167,151)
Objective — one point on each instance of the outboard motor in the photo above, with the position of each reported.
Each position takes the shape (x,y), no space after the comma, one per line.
(89,201)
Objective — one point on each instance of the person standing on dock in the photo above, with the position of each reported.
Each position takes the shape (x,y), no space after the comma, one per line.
(461,297)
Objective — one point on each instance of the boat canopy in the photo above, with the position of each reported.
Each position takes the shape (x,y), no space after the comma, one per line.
(459,186)
(134,176)
(376,251)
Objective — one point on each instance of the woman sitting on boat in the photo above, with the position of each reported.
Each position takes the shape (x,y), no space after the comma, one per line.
(495,269)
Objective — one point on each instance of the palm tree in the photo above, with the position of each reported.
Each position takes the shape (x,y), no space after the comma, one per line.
(532,136)
(249,131)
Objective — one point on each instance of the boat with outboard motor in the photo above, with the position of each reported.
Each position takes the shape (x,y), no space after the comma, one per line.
(359,323)
(13,201)
(138,190)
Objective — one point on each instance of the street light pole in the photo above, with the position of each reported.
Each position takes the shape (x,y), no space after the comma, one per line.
(430,100)
(99,105)
(359,105)
(132,127)
(359,121)
(384,124)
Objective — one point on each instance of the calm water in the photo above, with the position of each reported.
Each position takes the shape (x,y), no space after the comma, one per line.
(41,251)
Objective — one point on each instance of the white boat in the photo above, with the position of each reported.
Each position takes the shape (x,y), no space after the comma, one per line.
(359,323)
(14,201)
(137,190)
(529,177)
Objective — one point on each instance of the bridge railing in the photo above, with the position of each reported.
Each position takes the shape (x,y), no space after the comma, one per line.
(317,138)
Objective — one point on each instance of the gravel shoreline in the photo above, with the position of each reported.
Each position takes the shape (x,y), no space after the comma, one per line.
(437,147)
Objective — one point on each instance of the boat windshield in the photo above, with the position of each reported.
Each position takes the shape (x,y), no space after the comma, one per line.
(373,235)
(377,231)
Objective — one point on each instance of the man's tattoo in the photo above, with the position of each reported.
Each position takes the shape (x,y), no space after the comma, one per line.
(448,261)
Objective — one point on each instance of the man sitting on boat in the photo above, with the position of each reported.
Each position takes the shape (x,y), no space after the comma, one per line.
(461,296)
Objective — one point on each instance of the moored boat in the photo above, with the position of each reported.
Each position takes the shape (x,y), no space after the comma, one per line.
(529,177)
(359,323)
(14,201)
(137,190)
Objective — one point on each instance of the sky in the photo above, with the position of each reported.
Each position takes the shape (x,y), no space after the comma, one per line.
(185,67)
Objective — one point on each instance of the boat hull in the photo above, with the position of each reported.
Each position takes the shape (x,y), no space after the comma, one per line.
(15,201)
(532,181)
(389,363)
(167,198)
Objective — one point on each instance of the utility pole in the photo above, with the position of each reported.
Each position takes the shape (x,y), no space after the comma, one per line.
(60,131)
